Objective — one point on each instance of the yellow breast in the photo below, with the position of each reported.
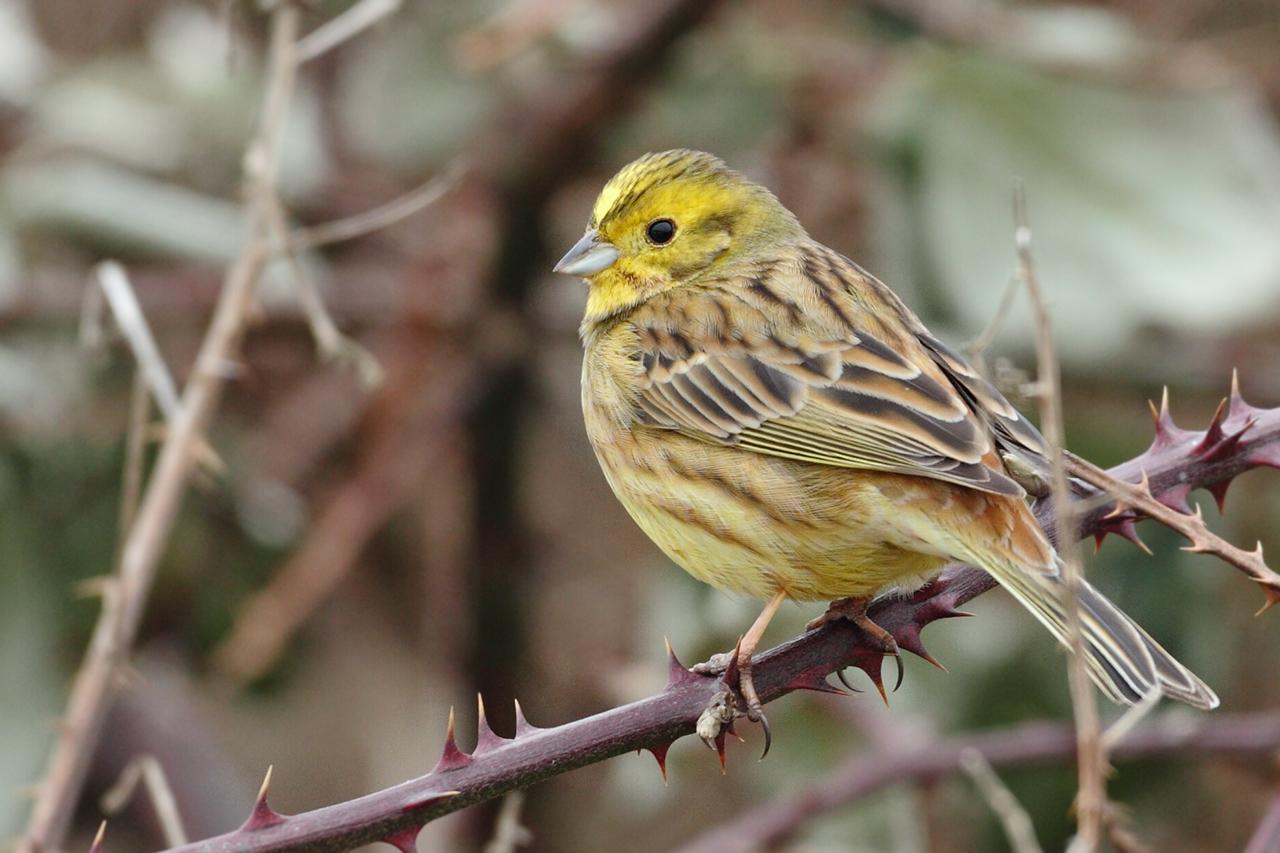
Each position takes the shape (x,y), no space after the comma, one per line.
(746,522)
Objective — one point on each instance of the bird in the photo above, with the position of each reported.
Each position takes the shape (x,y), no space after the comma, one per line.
(782,425)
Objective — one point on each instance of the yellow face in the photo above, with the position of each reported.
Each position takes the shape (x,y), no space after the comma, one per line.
(665,220)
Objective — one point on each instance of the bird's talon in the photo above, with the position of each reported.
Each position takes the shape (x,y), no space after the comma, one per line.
(845,681)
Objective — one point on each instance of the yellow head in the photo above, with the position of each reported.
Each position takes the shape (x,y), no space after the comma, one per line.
(667,219)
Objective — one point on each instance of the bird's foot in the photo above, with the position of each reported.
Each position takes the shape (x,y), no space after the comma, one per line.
(855,610)
(737,697)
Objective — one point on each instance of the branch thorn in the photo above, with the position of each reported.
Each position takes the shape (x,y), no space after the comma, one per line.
(452,758)
(486,739)
(659,751)
(523,726)
(262,815)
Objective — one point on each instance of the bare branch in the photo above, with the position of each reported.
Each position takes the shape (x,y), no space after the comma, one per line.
(114,284)
(509,833)
(344,27)
(331,343)
(125,600)
(1091,760)
(1014,819)
(147,770)
(382,216)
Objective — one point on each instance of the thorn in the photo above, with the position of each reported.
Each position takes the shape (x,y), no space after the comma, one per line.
(910,640)
(1213,434)
(939,608)
(262,815)
(405,840)
(730,728)
(1125,528)
(1167,432)
(1270,591)
(1174,497)
(1219,492)
(96,847)
(486,739)
(523,726)
(452,758)
(872,666)
(812,681)
(1145,484)
(1237,403)
(845,681)
(676,671)
(659,751)
(429,798)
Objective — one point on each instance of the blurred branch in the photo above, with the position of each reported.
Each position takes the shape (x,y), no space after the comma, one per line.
(113,283)
(125,596)
(1091,760)
(331,343)
(147,770)
(1266,838)
(382,216)
(1018,828)
(344,27)
(1174,736)
(499,765)
(394,464)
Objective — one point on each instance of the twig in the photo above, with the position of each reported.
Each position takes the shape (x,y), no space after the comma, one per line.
(382,216)
(1092,761)
(344,27)
(114,284)
(397,455)
(509,834)
(1131,498)
(978,347)
(1014,819)
(331,343)
(1132,715)
(135,444)
(125,601)
(147,770)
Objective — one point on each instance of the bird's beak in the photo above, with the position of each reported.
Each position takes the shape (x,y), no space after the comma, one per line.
(590,255)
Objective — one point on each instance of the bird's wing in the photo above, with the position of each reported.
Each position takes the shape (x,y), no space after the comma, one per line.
(850,402)
(1013,432)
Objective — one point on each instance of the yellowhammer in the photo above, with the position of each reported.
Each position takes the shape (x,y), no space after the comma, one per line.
(782,425)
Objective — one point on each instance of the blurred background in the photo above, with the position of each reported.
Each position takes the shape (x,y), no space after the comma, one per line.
(376,553)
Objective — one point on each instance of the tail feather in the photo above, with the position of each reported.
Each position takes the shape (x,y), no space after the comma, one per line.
(1123,659)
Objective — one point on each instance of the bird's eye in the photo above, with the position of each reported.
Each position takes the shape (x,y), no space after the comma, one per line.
(661,231)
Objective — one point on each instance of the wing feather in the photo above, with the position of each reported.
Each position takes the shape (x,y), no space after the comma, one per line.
(828,407)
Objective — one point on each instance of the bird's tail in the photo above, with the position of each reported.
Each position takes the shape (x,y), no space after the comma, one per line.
(1123,659)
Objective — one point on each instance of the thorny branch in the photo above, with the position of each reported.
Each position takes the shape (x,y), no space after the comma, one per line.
(498,765)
